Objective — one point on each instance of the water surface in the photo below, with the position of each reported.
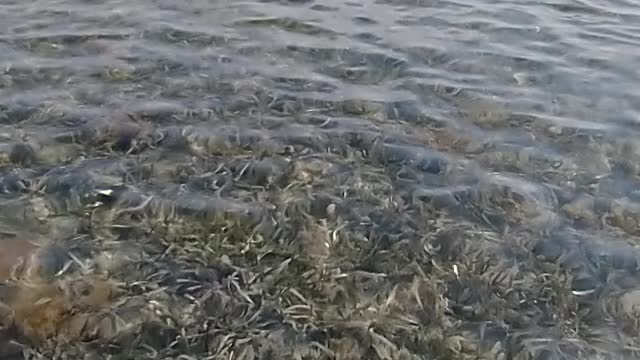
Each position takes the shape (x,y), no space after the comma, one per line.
(341,179)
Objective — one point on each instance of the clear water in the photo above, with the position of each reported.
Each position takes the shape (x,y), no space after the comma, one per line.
(513,125)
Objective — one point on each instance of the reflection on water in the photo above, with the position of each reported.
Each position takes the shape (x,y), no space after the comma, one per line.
(362,179)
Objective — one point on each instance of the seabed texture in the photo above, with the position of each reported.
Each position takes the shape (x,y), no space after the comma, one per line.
(267,238)
(154,210)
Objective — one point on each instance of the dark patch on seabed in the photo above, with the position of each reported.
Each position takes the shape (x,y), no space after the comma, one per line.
(390,179)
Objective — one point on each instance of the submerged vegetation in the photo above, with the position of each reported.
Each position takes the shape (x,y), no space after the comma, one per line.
(250,236)
(190,207)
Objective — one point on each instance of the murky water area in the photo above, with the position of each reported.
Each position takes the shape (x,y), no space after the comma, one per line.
(390,179)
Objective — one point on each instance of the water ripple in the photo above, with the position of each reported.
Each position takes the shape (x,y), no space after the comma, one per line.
(479,157)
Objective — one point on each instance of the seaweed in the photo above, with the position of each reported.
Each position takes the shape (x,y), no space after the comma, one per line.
(177,191)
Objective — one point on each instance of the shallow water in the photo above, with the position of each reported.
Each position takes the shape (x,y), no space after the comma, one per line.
(479,158)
